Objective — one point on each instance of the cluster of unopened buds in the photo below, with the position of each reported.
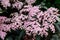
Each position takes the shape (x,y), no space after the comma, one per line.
(29,18)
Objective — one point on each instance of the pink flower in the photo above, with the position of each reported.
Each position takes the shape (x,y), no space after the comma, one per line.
(30,1)
(2,19)
(5,3)
(18,5)
(2,35)
(52,28)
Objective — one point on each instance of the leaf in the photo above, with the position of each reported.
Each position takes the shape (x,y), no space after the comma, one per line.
(38,2)
(16,38)
(57,4)
(57,1)
(9,38)
(1,10)
(55,37)
(38,37)
(22,33)
(57,26)
(58,19)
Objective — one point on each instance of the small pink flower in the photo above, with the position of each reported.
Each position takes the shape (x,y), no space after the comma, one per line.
(30,1)
(5,3)
(2,34)
(18,5)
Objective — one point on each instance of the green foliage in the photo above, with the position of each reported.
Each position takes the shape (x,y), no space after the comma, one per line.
(9,38)
(1,10)
(49,3)
(15,35)
(55,37)
(38,37)
(57,25)
(22,33)
(57,1)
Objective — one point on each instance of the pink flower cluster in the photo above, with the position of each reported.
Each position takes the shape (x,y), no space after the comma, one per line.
(29,18)
(5,3)
(17,3)
(38,22)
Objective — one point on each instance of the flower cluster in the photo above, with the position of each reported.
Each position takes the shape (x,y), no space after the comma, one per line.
(38,22)
(5,3)
(17,5)
(29,18)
